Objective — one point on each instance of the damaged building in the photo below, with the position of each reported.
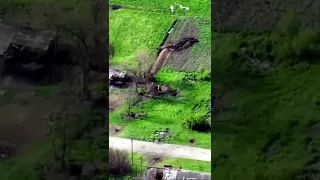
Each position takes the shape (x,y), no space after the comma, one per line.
(169,173)
(116,77)
(24,49)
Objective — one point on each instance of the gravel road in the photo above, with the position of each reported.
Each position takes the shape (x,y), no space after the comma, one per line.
(168,150)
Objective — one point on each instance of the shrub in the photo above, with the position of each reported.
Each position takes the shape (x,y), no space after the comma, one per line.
(119,165)
(203,74)
(200,123)
(141,90)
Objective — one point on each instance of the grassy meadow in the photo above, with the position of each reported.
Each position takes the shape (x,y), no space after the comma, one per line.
(133,30)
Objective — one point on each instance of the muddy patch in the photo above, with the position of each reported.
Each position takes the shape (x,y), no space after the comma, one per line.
(155,90)
(115,130)
(116,101)
(115,7)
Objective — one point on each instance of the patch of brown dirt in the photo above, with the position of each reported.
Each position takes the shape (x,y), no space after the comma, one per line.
(116,100)
(115,130)
(161,60)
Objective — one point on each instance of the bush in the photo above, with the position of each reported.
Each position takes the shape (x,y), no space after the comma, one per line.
(119,165)
(203,74)
(200,123)
(141,91)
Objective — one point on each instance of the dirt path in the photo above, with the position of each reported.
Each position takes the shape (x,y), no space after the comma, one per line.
(160,61)
(169,150)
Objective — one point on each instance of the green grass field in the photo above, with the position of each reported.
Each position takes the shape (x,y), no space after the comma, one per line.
(265,126)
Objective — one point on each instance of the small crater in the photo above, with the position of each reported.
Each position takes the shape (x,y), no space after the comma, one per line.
(116,7)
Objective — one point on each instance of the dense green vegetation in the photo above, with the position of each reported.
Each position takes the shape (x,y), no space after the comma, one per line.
(266,104)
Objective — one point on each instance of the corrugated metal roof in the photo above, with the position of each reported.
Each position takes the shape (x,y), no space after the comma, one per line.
(7,33)
(24,36)
(34,39)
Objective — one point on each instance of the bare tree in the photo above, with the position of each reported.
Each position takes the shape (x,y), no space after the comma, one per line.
(85,22)
(61,130)
(141,69)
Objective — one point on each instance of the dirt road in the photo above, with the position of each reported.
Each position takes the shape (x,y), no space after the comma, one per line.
(169,150)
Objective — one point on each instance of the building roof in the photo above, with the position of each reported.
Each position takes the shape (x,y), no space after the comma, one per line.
(7,34)
(34,39)
(24,36)
(173,174)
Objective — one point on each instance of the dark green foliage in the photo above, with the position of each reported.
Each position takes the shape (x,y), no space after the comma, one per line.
(199,123)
